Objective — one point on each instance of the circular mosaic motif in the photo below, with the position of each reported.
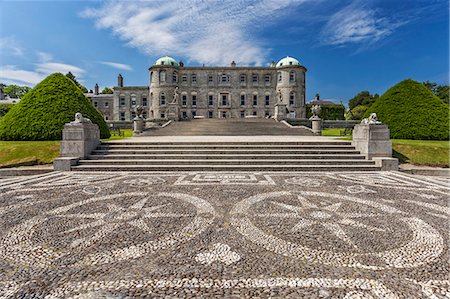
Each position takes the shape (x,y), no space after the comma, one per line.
(121,226)
(336,230)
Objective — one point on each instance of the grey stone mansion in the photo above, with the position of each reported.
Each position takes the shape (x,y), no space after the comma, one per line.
(209,92)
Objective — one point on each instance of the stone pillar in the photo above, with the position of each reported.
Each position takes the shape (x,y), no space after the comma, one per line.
(173,111)
(138,125)
(316,125)
(79,139)
(280,111)
(372,140)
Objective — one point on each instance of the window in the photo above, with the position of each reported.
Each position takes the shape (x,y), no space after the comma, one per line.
(224,99)
(291,98)
(254,113)
(106,104)
(242,114)
(122,116)
(267,113)
(144,101)
(162,99)
(175,77)
(95,104)
(210,79)
(224,114)
(291,76)
(184,79)
(194,79)
(162,76)
(210,114)
(242,78)
(280,77)
(106,117)
(184,113)
(255,100)
(267,102)
(133,101)
(184,99)
(194,100)
(133,115)
(210,100)
(267,79)
(122,102)
(254,78)
(163,115)
(194,114)
(225,79)
(242,99)
(144,114)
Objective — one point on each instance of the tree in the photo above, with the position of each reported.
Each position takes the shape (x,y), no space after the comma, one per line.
(442,91)
(412,111)
(107,90)
(362,98)
(72,77)
(42,112)
(15,91)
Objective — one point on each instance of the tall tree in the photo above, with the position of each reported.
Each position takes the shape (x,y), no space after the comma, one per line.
(107,90)
(74,79)
(15,91)
(362,98)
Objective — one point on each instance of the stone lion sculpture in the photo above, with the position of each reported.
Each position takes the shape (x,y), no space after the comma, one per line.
(79,119)
(372,119)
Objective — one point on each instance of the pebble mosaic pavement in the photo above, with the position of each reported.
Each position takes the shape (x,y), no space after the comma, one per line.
(234,235)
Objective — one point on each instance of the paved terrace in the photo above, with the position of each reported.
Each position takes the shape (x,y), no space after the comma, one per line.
(221,138)
(214,235)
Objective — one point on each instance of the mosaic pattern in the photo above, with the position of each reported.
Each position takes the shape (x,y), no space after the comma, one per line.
(238,235)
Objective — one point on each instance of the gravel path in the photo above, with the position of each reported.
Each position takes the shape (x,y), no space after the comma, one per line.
(233,235)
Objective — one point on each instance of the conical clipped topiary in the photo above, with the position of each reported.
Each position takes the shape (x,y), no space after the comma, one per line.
(43,111)
(411,111)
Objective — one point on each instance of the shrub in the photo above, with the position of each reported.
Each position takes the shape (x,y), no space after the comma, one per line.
(328,112)
(412,112)
(43,111)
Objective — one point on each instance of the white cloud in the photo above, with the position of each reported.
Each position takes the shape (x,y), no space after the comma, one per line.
(11,74)
(10,45)
(116,65)
(356,24)
(210,32)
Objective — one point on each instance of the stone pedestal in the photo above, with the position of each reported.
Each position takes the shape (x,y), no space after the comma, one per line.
(316,125)
(173,112)
(79,140)
(372,140)
(280,111)
(138,125)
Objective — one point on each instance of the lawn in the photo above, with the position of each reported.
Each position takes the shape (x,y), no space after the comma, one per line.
(26,153)
(419,152)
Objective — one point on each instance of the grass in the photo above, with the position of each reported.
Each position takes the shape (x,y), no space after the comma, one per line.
(28,153)
(419,152)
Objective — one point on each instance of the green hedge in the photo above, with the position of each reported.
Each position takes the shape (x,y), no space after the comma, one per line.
(412,112)
(43,111)
(329,112)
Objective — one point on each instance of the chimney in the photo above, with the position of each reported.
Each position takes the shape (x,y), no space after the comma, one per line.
(317,97)
(181,63)
(233,64)
(120,81)
(96,89)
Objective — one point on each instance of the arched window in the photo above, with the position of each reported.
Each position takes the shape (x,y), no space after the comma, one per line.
(194,79)
(162,76)
(175,77)
(267,99)
(242,99)
(162,99)
(194,99)
(280,77)
(184,99)
(291,76)
(291,98)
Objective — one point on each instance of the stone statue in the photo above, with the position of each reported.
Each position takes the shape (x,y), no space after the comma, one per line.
(280,96)
(175,96)
(316,110)
(372,119)
(139,110)
(79,119)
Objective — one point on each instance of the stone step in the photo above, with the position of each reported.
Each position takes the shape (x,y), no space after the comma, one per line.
(337,142)
(225,156)
(286,167)
(225,151)
(262,146)
(206,162)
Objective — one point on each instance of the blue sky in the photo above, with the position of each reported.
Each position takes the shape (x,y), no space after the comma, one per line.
(347,46)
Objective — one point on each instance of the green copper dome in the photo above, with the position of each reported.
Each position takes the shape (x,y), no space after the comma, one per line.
(288,61)
(166,60)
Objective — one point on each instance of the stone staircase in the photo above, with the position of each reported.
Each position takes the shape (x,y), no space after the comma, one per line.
(226,156)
